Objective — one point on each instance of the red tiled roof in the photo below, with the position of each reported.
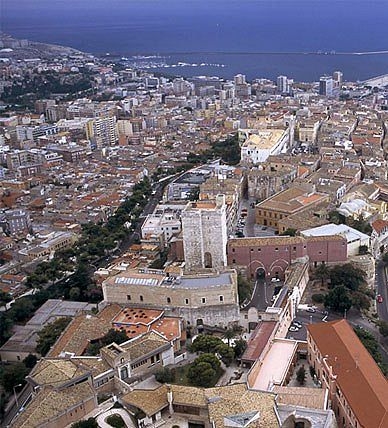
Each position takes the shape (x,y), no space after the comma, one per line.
(379,225)
(258,340)
(358,376)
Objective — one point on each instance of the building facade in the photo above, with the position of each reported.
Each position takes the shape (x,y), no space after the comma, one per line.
(358,390)
(204,227)
(273,255)
(210,298)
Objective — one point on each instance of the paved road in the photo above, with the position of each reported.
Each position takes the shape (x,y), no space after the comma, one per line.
(382,288)
(262,294)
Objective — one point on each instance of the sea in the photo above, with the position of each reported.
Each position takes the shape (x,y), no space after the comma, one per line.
(302,39)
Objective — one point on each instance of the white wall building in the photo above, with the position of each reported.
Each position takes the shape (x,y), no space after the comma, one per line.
(264,143)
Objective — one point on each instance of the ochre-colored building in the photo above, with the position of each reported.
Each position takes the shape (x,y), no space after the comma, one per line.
(283,204)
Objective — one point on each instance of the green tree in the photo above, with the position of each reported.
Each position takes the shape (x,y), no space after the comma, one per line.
(206,343)
(336,218)
(322,272)
(88,423)
(13,375)
(201,374)
(5,298)
(111,336)
(360,300)
(209,358)
(348,275)
(338,299)
(50,333)
(116,421)
(30,361)
(360,224)
(301,375)
(226,353)
(370,343)
(203,370)
(240,346)
(22,309)
(383,328)
(245,289)
(165,375)
(229,334)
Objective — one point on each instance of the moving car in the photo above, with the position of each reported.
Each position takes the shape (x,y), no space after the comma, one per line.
(379,298)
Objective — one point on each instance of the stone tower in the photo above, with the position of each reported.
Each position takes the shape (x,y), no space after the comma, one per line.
(205,234)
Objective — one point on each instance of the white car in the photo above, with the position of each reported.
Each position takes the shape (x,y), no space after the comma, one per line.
(293,328)
(310,309)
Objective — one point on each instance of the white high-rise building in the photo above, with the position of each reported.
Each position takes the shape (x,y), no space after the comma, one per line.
(281,83)
(205,234)
(338,78)
(239,79)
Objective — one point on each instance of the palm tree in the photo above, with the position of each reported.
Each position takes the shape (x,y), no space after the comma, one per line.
(229,334)
(322,272)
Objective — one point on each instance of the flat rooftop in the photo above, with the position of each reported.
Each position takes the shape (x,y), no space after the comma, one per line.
(275,365)
(161,279)
(264,139)
(349,233)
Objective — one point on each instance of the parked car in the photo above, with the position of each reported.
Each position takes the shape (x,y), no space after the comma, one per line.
(293,328)
(311,309)
(297,324)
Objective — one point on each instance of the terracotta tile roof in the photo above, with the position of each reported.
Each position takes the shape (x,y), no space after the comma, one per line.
(262,242)
(149,401)
(189,395)
(291,200)
(379,225)
(313,398)
(82,330)
(55,372)
(258,340)
(235,400)
(135,321)
(358,376)
(143,345)
(50,403)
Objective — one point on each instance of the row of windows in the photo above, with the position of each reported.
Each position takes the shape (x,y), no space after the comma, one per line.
(168,299)
(276,249)
(104,380)
(140,363)
(275,215)
(75,410)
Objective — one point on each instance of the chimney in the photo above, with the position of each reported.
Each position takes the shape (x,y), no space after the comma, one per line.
(169,399)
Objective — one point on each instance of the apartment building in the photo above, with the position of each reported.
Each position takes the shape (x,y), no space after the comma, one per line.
(358,390)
